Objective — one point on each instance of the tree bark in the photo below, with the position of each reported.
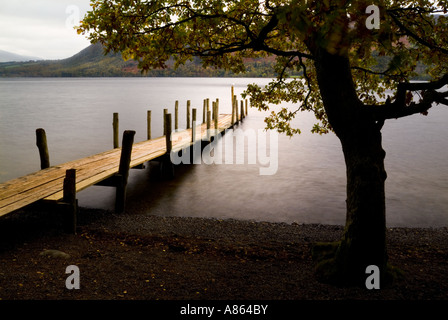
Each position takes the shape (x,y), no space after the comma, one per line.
(364,239)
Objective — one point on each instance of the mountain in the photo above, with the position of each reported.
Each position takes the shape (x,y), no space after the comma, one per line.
(89,62)
(6,56)
(92,62)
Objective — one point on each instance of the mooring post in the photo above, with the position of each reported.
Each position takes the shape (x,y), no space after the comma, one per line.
(167,168)
(208,105)
(188,113)
(204,115)
(193,127)
(169,145)
(165,112)
(148,121)
(176,115)
(193,136)
(115,125)
(123,170)
(233,94)
(69,201)
(233,112)
(209,124)
(236,111)
(41,142)
(215,109)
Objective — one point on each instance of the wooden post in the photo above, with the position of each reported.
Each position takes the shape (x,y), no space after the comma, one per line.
(208,105)
(69,201)
(148,120)
(168,128)
(41,142)
(123,170)
(204,115)
(176,116)
(236,111)
(232,97)
(193,137)
(209,115)
(167,168)
(242,110)
(165,112)
(215,109)
(115,125)
(193,127)
(188,113)
(233,112)
(246,107)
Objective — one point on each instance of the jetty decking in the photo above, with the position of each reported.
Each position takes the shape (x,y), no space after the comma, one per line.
(48,184)
(59,184)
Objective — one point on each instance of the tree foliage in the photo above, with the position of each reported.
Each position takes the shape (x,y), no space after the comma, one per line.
(224,33)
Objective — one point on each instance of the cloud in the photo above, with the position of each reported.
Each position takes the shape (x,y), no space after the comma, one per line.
(42,28)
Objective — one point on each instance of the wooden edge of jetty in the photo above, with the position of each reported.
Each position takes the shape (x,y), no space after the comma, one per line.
(59,184)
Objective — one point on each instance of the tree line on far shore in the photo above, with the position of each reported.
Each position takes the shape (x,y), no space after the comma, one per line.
(91,62)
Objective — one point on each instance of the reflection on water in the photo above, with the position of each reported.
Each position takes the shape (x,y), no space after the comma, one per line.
(308,187)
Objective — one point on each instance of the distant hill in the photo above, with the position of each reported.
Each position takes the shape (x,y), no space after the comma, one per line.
(6,56)
(91,62)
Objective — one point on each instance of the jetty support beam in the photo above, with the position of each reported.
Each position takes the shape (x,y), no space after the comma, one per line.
(120,179)
(123,171)
(70,200)
(69,203)
(166,166)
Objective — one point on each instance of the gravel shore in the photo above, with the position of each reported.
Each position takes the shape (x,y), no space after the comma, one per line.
(143,257)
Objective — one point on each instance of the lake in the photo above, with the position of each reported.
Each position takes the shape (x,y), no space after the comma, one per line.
(307,187)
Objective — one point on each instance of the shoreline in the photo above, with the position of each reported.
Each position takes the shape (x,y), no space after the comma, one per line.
(36,217)
(141,257)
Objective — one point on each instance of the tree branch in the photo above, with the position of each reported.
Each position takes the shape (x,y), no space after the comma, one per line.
(412,34)
(403,105)
(253,41)
(308,81)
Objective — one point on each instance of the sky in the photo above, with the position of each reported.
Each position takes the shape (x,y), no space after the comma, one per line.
(42,28)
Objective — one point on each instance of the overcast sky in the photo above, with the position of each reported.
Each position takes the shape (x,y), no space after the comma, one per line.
(42,28)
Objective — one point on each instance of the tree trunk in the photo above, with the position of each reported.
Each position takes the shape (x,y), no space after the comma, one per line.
(364,239)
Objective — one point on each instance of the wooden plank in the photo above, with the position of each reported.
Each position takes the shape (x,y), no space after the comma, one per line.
(53,173)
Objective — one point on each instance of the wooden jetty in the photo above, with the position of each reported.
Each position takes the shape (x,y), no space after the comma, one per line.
(59,184)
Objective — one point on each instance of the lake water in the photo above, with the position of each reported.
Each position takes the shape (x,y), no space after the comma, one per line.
(308,187)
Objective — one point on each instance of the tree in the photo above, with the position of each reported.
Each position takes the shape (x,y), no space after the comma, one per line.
(334,45)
